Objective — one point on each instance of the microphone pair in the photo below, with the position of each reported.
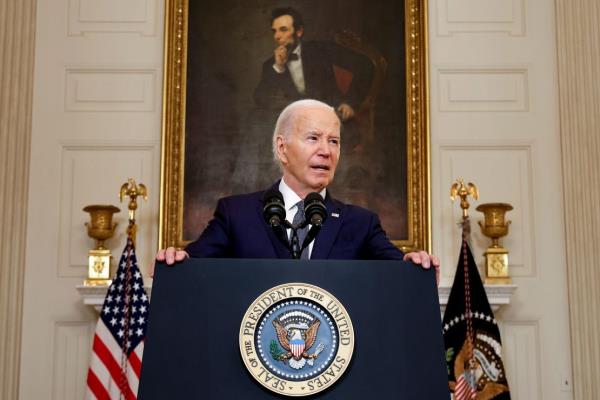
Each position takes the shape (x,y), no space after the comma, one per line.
(274,213)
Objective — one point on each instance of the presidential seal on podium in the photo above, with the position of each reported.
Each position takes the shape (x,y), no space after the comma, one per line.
(296,339)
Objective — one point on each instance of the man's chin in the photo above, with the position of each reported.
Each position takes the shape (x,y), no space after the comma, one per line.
(320,184)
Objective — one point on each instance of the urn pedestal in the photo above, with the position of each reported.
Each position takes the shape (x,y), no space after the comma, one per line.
(495,226)
(100,228)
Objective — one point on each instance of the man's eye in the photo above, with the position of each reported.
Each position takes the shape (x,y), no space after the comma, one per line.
(334,142)
(311,138)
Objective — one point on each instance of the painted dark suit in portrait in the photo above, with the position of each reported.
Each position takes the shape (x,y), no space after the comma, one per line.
(277,90)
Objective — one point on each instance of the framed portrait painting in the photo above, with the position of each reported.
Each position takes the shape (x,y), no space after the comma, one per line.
(221,103)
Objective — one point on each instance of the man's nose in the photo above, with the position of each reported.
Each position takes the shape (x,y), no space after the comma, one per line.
(324,149)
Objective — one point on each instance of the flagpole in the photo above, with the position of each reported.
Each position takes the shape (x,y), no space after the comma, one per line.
(461,190)
(131,190)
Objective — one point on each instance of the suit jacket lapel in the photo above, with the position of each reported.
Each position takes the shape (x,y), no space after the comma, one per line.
(325,239)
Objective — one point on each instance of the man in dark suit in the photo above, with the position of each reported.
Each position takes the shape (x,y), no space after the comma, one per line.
(306,143)
(301,70)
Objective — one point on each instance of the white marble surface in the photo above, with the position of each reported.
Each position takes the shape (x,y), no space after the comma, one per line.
(498,295)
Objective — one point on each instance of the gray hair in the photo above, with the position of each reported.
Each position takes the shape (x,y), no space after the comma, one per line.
(285,122)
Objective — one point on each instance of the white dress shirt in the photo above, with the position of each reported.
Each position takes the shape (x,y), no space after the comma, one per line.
(290,199)
(295,67)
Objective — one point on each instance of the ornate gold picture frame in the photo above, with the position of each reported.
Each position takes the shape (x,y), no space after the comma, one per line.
(213,143)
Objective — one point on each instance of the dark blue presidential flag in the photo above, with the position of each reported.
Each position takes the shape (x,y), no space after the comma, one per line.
(472,337)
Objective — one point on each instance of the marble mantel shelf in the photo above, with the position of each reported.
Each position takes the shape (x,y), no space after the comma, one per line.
(94,295)
(498,295)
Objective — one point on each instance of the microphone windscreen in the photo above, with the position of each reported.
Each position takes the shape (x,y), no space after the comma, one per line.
(314,209)
(273,210)
(272,194)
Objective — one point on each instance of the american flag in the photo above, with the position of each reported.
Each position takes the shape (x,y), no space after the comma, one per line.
(466,387)
(119,340)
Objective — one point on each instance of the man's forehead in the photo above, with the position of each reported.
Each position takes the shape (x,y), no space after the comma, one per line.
(283,20)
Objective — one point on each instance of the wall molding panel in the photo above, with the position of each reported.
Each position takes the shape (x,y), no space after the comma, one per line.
(112,16)
(72,346)
(477,89)
(480,16)
(520,345)
(110,88)
(505,175)
(578,40)
(105,163)
(17,45)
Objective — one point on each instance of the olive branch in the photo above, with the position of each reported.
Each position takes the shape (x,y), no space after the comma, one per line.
(276,351)
(449,355)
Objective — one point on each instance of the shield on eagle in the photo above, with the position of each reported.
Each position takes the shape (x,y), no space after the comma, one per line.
(297,346)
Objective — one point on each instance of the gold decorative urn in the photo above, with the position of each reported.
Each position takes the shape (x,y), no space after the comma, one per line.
(495,226)
(100,228)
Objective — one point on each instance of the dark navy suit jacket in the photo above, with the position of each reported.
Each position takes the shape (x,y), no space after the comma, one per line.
(238,230)
(275,91)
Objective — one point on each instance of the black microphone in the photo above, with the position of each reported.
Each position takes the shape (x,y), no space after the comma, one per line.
(315,211)
(274,208)
(274,215)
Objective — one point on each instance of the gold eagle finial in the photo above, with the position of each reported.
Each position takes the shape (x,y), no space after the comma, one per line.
(462,190)
(132,190)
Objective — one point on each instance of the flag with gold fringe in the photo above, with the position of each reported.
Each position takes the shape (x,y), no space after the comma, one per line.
(472,337)
(118,345)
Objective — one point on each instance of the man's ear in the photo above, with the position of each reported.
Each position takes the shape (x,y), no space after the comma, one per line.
(300,32)
(281,149)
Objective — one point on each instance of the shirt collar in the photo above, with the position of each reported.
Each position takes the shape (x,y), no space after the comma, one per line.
(297,51)
(290,198)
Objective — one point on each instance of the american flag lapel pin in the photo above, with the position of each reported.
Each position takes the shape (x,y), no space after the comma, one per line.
(335,215)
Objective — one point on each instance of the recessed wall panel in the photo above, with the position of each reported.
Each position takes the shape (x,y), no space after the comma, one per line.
(480,16)
(468,89)
(98,88)
(520,343)
(72,349)
(93,174)
(112,16)
(502,173)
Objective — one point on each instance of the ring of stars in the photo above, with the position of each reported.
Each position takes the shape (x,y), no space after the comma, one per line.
(324,316)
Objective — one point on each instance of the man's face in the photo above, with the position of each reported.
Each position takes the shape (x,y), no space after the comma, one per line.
(310,155)
(284,32)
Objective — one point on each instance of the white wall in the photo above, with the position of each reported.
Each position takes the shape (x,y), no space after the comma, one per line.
(96,122)
(494,121)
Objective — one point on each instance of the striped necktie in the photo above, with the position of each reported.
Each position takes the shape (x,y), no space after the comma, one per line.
(298,218)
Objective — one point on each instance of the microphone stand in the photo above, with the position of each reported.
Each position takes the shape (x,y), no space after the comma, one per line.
(293,244)
(296,249)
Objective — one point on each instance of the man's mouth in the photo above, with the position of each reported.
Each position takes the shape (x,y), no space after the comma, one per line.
(320,167)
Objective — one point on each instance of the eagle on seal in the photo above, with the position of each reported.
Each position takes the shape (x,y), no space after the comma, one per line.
(297,342)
